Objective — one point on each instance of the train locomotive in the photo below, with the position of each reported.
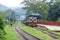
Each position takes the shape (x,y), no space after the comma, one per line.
(33,19)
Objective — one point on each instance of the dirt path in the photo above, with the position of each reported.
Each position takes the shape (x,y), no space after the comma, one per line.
(55,28)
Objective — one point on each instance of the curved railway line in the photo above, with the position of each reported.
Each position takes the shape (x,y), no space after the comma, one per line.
(25,35)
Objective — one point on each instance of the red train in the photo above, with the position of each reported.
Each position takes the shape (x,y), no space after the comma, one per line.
(33,19)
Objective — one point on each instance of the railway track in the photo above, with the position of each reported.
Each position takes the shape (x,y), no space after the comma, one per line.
(54,36)
(25,35)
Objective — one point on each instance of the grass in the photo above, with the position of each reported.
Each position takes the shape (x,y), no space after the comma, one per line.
(58,33)
(55,32)
(58,0)
(35,32)
(10,34)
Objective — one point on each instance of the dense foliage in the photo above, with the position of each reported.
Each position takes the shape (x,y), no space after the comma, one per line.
(49,10)
(4,16)
(36,7)
(54,12)
(10,16)
(2,26)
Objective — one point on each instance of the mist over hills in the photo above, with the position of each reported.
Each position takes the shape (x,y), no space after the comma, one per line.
(3,8)
(20,13)
(16,9)
(19,10)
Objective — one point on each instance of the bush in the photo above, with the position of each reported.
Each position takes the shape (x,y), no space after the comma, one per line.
(2,32)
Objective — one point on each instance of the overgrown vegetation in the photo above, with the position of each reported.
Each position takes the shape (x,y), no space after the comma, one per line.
(2,27)
(54,12)
(6,18)
(49,11)
(55,32)
(10,33)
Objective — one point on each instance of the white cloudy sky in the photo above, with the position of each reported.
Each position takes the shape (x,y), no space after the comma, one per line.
(11,3)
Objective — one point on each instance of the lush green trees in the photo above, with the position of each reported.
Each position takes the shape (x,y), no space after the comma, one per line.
(49,11)
(2,26)
(4,16)
(37,7)
(54,12)
(10,15)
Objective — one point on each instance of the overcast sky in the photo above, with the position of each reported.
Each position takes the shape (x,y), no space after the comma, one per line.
(11,3)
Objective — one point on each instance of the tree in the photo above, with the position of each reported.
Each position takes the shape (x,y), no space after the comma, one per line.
(2,26)
(11,16)
(36,7)
(54,12)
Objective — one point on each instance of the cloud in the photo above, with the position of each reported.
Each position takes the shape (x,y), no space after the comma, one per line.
(11,3)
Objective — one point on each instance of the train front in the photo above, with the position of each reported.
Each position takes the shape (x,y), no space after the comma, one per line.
(32,20)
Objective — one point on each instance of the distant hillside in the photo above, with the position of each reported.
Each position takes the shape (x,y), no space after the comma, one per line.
(3,8)
(19,10)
